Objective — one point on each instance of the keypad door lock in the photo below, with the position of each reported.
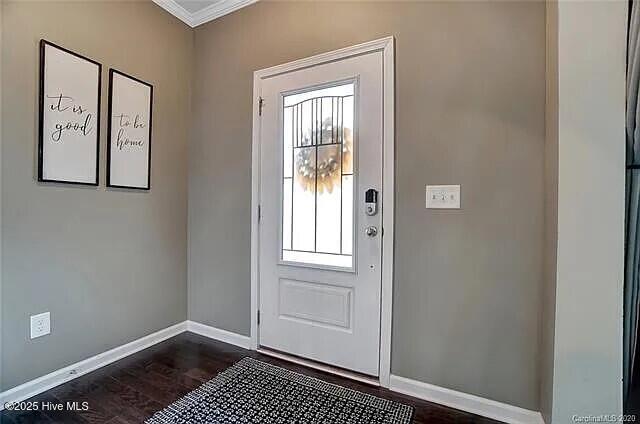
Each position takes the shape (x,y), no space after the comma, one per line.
(371,202)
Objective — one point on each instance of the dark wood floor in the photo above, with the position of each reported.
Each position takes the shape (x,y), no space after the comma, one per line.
(132,389)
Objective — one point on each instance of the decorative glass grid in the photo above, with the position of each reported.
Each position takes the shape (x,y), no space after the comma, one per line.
(317,210)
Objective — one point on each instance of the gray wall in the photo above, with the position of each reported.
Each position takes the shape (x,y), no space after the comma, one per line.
(1,365)
(110,265)
(548,310)
(470,97)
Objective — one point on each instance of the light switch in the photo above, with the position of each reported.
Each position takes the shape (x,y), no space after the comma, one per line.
(443,197)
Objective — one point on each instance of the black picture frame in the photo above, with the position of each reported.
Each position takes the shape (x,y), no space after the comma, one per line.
(112,72)
(41,119)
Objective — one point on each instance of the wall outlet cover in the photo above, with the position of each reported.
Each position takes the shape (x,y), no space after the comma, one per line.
(40,325)
(443,197)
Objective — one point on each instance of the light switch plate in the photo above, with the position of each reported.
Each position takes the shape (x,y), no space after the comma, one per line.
(443,197)
(40,325)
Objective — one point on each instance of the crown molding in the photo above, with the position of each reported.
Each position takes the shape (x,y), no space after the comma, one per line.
(219,9)
(176,10)
(209,13)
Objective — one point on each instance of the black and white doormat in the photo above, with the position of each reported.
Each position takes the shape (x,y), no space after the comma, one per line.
(252,391)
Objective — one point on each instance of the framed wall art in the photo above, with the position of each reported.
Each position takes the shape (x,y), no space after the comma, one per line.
(69,121)
(129,132)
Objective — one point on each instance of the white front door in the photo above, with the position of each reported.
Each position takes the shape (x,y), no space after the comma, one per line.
(320,238)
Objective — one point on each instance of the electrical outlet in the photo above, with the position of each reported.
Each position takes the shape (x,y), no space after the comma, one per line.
(40,325)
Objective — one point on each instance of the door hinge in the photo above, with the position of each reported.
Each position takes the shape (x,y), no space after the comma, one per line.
(258,317)
(259,213)
(260,106)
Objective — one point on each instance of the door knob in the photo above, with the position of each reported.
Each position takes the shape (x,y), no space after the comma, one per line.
(371,231)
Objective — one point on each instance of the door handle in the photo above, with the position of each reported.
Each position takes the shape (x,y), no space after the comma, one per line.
(371,231)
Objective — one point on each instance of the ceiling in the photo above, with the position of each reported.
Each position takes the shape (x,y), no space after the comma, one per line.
(195,6)
(198,12)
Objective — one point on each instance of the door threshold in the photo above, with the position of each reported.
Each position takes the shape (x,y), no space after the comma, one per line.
(319,366)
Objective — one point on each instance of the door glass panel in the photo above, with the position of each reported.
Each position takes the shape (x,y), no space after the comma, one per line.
(317,208)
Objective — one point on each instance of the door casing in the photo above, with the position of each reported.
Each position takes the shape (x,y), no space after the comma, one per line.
(386,46)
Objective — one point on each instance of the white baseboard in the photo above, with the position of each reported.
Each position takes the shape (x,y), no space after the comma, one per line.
(465,402)
(51,380)
(220,335)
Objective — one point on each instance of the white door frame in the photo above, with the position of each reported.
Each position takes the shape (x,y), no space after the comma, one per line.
(386,46)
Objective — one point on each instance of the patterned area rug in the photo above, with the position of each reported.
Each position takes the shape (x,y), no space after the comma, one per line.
(252,391)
